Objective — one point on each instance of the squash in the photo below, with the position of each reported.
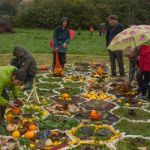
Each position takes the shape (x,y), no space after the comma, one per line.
(29,135)
(65,96)
(48,143)
(9,117)
(100,71)
(43,67)
(95,115)
(15,111)
(32,127)
(16,134)
(11,127)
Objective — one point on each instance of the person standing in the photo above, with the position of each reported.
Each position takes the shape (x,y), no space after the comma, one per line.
(145,69)
(61,40)
(113,29)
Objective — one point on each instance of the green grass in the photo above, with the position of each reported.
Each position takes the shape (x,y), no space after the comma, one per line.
(134,114)
(90,147)
(133,128)
(37,41)
(133,144)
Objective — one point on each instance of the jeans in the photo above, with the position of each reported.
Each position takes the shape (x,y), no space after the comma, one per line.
(116,55)
(146,82)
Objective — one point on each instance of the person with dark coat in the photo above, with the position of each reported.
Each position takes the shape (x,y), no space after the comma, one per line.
(61,40)
(24,60)
(113,29)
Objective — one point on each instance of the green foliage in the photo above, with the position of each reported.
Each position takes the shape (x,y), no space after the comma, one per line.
(82,13)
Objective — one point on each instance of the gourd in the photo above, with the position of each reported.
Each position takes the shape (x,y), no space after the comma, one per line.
(95,115)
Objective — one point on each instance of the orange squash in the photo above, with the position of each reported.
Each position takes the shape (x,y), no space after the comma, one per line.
(95,115)
(32,127)
(29,135)
(65,96)
(15,111)
(16,134)
(9,117)
(43,67)
(100,71)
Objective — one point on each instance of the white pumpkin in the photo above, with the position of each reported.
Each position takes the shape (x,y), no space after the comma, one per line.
(11,127)
(48,142)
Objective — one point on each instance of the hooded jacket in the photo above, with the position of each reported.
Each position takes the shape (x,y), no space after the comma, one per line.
(6,81)
(24,61)
(61,36)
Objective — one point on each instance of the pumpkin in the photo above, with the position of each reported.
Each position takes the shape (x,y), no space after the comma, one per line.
(16,134)
(16,111)
(32,127)
(66,96)
(95,115)
(43,67)
(11,127)
(9,117)
(29,134)
(100,71)
(48,143)
(58,71)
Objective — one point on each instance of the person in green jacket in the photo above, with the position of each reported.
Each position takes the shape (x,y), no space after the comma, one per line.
(10,78)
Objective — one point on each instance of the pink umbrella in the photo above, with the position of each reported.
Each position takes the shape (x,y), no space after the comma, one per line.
(72,35)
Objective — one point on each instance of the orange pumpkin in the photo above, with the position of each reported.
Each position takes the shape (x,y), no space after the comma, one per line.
(43,67)
(95,115)
(9,117)
(16,111)
(100,71)
(32,127)
(16,134)
(29,134)
(65,96)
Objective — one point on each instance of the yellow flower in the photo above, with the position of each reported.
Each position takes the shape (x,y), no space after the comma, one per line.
(119,100)
(139,103)
(45,113)
(127,104)
(32,145)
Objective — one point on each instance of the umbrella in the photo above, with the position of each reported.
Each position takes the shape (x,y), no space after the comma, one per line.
(72,35)
(130,38)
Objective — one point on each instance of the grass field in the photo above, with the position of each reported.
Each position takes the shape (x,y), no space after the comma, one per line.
(37,41)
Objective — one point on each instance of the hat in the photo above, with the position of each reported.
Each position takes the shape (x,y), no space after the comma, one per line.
(113,17)
(64,19)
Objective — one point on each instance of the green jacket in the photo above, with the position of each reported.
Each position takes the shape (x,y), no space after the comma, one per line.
(5,81)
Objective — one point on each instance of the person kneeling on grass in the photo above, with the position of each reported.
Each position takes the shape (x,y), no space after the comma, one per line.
(61,40)
(10,78)
(24,60)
